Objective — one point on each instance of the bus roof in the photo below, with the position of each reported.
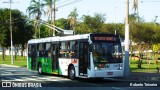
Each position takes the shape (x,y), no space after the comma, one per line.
(57,38)
(64,38)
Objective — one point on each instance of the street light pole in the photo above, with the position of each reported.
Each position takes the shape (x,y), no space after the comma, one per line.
(126,61)
(54,11)
(11,34)
(10,2)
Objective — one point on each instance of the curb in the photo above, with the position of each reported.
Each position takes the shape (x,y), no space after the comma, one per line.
(9,65)
(139,78)
(6,65)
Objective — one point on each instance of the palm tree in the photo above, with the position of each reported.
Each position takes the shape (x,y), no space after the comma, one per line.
(72,17)
(35,9)
(135,7)
(48,3)
(51,10)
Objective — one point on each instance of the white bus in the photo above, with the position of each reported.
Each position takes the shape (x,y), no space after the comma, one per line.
(86,55)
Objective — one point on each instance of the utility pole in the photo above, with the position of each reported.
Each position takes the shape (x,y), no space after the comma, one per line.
(54,18)
(115,22)
(51,20)
(126,61)
(11,33)
(10,2)
(39,21)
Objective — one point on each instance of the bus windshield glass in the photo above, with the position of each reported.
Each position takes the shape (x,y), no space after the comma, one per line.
(107,52)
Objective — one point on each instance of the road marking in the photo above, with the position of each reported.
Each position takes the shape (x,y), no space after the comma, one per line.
(118,88)
(33,78)
(30,79)
(12,79)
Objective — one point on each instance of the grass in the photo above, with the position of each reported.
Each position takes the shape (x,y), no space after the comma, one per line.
(19,61)
(144,67)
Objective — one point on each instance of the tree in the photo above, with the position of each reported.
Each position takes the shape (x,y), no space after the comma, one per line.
(135,7)
(62,23)
(49,11)
(4,30)
(111,27)
(72,17)
(21,34)
(91,24)
(35,9)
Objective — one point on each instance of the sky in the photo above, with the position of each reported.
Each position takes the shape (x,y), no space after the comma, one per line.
(114,10)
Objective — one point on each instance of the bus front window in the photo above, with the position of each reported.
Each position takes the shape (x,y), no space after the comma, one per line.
(107,53)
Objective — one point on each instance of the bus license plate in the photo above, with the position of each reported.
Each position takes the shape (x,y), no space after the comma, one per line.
(109,73)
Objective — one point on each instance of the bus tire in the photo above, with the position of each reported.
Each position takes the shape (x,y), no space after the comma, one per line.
(39,69)
(71,73)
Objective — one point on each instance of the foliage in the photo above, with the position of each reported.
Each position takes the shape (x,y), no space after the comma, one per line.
(91,24)
(36,10)
(72,18)
(156,47)
(21,31)
(44,31)
(63,23)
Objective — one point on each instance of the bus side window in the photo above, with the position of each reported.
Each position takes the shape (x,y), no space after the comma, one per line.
(73,47)
(41,49)
(29,50)
(48,49)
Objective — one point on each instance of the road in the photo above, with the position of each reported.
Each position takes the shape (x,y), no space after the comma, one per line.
(24,77)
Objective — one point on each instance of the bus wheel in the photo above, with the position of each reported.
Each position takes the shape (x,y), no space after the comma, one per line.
(71,73)
(39,69)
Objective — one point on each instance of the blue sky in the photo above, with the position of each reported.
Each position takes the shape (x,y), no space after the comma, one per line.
(115,10)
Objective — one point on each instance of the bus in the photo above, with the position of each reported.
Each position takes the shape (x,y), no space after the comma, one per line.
(82,56)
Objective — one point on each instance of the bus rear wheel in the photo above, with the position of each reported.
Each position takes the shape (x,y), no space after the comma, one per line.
(39,69)
(71,73)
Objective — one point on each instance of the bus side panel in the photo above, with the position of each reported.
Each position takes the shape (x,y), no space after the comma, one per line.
(75,62)
(29,63)
(64,64)
(49,65)
(46,64)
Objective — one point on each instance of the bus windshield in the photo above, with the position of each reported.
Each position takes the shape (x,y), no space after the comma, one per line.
(107,52)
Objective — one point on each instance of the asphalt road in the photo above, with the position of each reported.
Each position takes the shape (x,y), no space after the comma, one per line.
(21,77)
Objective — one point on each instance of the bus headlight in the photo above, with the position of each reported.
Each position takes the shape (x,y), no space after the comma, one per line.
(120,66)
(95,68)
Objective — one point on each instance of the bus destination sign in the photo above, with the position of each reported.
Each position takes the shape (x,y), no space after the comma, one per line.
(113,39)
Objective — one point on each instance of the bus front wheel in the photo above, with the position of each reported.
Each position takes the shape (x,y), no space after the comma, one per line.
(71,73)
(39,69)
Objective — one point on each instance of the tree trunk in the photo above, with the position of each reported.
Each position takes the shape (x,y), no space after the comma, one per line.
(10,51)
(140,61)
(22,50)
(15,52)
(3,54)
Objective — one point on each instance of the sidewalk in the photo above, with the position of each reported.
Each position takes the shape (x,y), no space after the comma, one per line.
(17,70)
(141,76)
(9,65)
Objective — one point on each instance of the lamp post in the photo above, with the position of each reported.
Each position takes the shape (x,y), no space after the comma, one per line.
(11,34)
(54,18)
(126,61)
(12,61)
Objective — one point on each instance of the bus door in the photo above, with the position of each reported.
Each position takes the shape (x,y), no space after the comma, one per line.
(33,57)
(83,58)
(55,54)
